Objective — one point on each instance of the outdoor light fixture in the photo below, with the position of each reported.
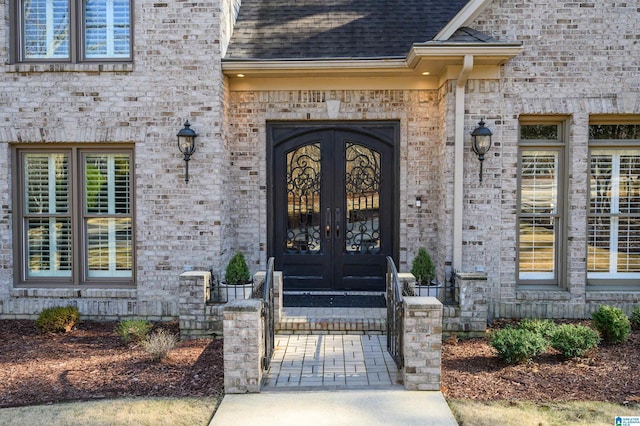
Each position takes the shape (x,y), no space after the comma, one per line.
(187,146)
(481,142)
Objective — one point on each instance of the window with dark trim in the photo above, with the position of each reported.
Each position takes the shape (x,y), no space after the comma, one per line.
(75,216)
(72,30)
(540,206)
(613,244)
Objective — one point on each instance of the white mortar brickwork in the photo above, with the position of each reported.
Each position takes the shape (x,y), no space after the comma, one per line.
(579,60)
(175,76)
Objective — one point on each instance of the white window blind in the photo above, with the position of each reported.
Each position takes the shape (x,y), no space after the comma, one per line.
(107,28)
(45,28)
(47,221)
(72,30)
(538,215)
(108,222)
(614,214)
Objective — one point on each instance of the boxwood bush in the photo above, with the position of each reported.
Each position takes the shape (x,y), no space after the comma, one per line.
(612,323)
(635,318)
(58,319)
(573,340)
(545,328)
(515,345)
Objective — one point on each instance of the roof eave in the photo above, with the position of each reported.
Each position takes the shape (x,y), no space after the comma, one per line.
(443,52)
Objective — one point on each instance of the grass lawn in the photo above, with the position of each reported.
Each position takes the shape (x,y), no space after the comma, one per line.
(198,411)
(128,411)
(523,413)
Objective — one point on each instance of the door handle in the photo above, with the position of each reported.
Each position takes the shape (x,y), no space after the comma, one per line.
(328,224)
(338,223)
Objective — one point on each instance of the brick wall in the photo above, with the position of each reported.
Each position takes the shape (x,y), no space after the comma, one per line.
(175,75)
(579,59)
(420,156)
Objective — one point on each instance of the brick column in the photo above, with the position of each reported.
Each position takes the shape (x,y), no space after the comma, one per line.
(277,291)
(194,320)
(422,343)
(472,298)
(243,346)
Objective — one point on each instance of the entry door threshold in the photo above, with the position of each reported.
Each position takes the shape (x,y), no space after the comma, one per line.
(334,300)
(333,293)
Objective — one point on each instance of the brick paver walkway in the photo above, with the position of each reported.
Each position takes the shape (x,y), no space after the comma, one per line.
(331,360)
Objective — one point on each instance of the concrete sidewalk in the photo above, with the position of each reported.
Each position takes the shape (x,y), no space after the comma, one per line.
(332,408)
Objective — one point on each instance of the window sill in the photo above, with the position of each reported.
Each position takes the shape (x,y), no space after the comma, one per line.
(542,292)
(32,67)
(75,293)
(626,294)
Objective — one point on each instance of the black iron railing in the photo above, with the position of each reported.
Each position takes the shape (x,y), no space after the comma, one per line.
(268,316)
(395,313)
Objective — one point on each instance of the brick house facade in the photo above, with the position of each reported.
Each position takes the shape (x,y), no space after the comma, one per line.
(521,67)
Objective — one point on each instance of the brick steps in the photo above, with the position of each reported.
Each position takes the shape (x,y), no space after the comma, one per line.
(332,321)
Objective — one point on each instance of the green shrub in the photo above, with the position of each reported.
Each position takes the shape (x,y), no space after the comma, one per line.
(237,271)
(573,340)
(635,318)
(612,323)
(514,345)
(133,331)
(58,319)
(423,268)
(159,343)
(545,328)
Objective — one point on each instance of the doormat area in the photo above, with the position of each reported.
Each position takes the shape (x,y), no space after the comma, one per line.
(333,301)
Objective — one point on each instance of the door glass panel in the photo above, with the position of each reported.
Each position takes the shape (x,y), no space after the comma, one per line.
(362,185)
(303,199)
(538,215)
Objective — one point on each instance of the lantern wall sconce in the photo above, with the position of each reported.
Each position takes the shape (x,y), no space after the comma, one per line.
(481,142)
(187,146)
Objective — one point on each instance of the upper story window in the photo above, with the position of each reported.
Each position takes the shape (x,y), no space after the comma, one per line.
(540,206)
(72,30)
(613,254)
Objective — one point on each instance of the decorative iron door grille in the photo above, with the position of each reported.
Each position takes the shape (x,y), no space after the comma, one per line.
(333,205)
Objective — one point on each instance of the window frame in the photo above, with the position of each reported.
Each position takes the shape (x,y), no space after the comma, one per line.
(79,277)
(607,280)
(558,145)
(77,35)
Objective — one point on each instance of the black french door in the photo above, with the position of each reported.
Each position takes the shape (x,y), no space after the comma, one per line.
(333,204)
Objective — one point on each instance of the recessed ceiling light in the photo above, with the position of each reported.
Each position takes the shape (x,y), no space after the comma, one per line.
(240,75)
(426,73)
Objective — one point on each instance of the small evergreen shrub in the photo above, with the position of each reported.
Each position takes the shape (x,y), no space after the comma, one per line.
(612,323)
(58,319)
(423,268)
(545,328)
(133,331)
(159,343)
(237,271)
(573,340)
(514,345)
(635,318)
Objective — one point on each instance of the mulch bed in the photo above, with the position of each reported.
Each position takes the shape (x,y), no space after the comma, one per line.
(91,362)
(608,373)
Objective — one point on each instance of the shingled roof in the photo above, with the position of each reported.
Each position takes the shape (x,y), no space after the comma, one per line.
(322,29)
